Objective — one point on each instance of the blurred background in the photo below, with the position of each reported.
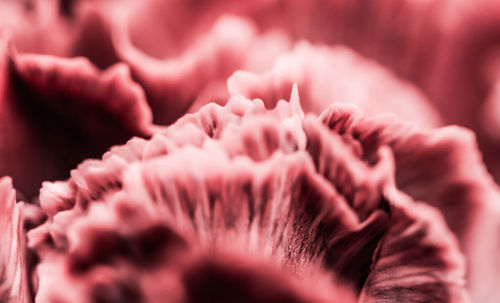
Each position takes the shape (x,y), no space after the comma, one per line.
(441,57)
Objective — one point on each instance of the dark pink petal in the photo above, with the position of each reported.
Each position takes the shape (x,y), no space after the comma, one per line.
(56,112)
(92,33)
(465,194)
(369,190)
(417,257)
(233,279)
(341,165)
(488,131)
(417,260)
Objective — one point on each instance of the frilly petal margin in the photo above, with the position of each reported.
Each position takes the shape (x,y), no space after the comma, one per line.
(55,112)
(193,208)
(326,76)
(277,210)
(14,286)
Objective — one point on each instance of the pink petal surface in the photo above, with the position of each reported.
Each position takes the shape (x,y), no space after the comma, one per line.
(443,47)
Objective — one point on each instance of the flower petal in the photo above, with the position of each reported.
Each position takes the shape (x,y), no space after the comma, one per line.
(173,83)
(326,75)
(14,285)
(56,112)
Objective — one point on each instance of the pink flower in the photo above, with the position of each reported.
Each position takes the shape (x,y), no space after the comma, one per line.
(210,187)
(241,184)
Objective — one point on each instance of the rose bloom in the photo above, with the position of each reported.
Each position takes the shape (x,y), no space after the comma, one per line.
(249,151)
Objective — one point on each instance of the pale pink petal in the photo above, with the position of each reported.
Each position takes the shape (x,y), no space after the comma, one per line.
(328,75)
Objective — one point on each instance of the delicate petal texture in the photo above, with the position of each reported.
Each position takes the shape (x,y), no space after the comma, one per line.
(417,260)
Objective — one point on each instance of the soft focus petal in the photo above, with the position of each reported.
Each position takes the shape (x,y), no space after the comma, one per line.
(14,285)
(56,112)
(173,83)
(328,75)
(35,26)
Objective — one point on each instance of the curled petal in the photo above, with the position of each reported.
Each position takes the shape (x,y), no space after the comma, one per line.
(78,83)
(56,108)
(341,165)
(465,194)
